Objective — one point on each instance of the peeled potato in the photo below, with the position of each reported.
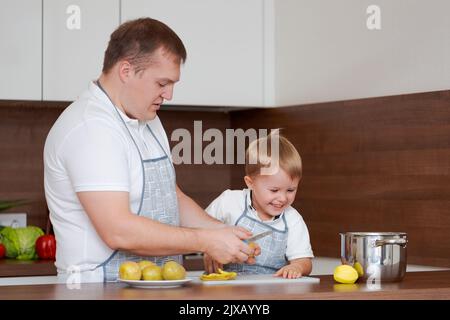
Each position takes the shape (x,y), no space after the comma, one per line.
(222,275)
(345,274)
(358,267)
(252,245)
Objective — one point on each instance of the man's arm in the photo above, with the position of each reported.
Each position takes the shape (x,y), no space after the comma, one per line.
(120,229)
(192,215)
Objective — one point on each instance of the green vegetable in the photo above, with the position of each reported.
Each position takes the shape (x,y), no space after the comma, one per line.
(8,204)
(20,242)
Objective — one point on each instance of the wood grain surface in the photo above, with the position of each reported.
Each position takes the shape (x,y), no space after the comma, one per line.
(415,285)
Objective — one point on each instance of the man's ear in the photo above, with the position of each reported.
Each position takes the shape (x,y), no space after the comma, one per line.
(125,70)
(248,181)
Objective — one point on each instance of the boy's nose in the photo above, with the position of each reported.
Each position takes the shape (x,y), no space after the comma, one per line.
(283,197)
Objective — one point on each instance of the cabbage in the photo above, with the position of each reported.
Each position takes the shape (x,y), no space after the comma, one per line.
(20,242)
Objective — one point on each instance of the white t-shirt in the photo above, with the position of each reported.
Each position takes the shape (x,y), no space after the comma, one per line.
(230,205)
(89,149)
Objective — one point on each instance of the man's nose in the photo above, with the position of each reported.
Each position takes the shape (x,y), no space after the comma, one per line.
(167,94)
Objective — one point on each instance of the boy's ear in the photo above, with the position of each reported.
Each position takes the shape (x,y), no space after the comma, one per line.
(248,181)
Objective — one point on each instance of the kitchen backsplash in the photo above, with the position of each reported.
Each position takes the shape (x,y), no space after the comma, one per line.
(378,164)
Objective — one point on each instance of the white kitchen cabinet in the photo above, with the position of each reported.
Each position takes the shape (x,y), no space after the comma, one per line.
(291,52)
(20,49)
(76,33)
(224,40)
(241,53)
(325,51)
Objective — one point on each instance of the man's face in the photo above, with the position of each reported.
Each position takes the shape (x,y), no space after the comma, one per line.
(146,90)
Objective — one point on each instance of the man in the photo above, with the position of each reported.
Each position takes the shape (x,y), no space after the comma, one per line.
(109,180)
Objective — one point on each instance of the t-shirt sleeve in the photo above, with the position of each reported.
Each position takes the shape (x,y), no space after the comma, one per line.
(298,245)
(217,208)
(95,156)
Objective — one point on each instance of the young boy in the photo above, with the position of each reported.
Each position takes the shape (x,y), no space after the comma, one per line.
(266,205)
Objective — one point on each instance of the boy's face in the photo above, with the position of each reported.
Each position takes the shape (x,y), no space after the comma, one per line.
(271,194)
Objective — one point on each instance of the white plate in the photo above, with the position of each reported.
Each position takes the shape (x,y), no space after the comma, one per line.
(156,283)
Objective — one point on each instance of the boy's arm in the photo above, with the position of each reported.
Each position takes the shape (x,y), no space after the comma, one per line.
(296,268)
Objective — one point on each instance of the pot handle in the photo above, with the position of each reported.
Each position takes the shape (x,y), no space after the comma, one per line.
(400,242)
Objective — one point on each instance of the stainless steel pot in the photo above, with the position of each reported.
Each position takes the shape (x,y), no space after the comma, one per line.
(379,256)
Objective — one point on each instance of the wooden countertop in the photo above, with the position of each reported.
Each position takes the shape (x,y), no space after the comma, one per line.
(415,285)
(18,268)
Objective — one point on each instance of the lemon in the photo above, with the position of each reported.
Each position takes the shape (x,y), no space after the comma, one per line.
(129,270)
(345,274)
(358,267)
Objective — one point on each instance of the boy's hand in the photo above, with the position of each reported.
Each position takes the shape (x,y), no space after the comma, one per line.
(211,266)
(291,271)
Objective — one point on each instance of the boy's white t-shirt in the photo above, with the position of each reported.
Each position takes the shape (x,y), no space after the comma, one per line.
(89,149)
(230,205)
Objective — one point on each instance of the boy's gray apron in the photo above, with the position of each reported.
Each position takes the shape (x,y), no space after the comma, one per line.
(273,246)
(158,202)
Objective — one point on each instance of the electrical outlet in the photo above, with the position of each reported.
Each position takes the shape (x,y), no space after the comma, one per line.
(15,220)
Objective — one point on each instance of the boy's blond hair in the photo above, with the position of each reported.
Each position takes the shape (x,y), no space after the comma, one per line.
(259,156)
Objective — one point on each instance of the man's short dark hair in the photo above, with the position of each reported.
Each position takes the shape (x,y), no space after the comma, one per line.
(137,40)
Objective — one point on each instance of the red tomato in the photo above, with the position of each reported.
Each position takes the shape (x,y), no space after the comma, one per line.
(46,247)
(2,251)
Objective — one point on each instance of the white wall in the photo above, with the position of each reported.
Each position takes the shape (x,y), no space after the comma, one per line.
(324,51)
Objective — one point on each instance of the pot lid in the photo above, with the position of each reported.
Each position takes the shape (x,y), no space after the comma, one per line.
(380,234)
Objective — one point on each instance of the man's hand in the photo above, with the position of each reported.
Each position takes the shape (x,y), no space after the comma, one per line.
(256,252)
(225,245)
(211,266)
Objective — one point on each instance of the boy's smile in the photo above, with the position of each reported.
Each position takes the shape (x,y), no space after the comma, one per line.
(271,194)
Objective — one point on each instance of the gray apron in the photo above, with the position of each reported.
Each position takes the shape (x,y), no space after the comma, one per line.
(158,202)
(273,246)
